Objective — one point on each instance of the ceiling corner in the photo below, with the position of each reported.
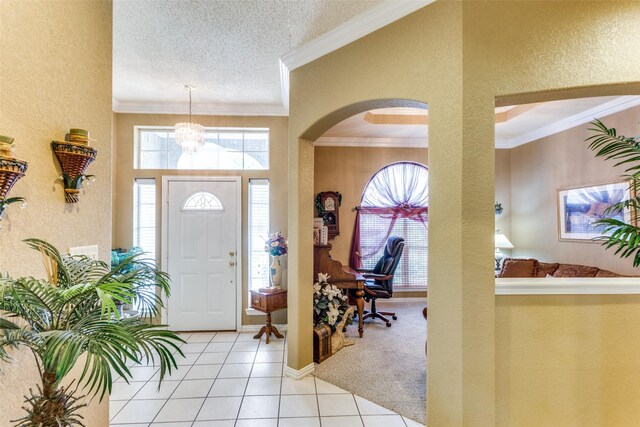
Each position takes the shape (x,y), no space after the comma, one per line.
(350,31)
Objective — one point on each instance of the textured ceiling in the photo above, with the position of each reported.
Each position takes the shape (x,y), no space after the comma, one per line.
(227,49)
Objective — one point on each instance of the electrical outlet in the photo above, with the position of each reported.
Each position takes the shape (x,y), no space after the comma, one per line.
(90,251)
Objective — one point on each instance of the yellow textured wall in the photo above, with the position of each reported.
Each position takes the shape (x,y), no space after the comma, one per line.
(125,175)
(460,57)
(55,74)
(567,360)
(418,58)
(554,163)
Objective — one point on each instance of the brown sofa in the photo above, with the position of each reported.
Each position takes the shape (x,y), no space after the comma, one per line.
(521,267)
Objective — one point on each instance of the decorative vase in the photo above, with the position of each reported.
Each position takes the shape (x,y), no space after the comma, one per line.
(275,271)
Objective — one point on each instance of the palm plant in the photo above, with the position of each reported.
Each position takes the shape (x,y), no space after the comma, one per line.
(625,237)
(73,313)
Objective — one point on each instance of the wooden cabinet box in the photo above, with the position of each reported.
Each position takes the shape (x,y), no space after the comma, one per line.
(268,302)
(321,343)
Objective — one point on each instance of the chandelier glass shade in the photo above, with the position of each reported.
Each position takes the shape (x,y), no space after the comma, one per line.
(190,136)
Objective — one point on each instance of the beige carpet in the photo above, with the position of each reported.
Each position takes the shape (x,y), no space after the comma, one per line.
(388,365)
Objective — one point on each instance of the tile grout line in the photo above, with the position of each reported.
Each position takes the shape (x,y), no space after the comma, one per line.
(358,408)
(281,382)
(226,362)
(134,394)
(130,399)
(315,387)
(317,400)
(248,379)
(182,379)
(216,378)
(174,390)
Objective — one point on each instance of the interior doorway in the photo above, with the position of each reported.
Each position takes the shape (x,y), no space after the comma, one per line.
(201,238)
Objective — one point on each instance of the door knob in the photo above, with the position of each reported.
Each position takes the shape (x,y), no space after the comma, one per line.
(231,253)
(231,263)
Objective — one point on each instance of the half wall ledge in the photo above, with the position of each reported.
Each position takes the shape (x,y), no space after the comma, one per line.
(568,286)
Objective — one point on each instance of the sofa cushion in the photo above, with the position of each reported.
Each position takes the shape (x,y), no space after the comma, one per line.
(546,268)
(518,267)
(575,270)
(607,273)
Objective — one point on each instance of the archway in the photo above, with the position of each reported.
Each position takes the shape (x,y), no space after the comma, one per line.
(300,332)
(301,179)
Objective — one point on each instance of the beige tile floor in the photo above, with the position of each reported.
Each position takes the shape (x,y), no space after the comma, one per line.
(228,379)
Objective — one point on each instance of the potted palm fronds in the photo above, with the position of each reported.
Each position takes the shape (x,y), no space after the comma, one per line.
(625,151)
(72,314)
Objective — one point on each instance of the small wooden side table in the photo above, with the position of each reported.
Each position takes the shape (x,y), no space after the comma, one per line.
(268,302)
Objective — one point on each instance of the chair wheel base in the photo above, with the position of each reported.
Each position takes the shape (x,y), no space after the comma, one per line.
(394,317)
(388,324)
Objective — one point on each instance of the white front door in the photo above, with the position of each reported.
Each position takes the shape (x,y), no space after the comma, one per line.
(202,245)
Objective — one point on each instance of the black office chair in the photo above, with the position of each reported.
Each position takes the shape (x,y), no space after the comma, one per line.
(379,281)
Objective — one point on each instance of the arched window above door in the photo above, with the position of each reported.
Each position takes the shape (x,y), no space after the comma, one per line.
(202,201)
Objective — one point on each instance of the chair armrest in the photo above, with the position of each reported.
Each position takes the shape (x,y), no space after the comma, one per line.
(363,270)
(377,276)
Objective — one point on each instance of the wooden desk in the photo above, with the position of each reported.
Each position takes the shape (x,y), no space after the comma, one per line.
(268,302)
(341,276)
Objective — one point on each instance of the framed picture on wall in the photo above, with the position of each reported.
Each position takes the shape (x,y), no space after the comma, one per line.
(579,208)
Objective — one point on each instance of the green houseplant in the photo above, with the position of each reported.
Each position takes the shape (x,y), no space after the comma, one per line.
(625,151)
(73,313)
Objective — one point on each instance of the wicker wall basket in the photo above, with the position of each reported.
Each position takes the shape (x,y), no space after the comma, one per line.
(74,159)
(11,170)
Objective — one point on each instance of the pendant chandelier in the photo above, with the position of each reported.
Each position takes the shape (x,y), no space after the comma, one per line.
(190,136)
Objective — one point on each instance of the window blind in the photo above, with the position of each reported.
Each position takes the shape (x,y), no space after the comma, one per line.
(412,269)
(144,216)
(258,232)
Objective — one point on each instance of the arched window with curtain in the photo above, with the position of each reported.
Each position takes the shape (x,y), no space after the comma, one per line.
(395,202)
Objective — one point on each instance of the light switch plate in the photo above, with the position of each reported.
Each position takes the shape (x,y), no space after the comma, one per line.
(90,251)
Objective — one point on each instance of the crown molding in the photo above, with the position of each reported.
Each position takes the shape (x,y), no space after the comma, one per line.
(326,141)
(615,105)
(350,31)
(284,84)
(209,109)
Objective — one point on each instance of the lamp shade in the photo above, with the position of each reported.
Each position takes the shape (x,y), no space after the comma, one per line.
(501,242)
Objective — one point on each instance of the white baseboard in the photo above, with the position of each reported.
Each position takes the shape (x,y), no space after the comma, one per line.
(256,328)
(299,374)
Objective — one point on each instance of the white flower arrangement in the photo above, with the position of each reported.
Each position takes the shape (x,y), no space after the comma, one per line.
(329,303)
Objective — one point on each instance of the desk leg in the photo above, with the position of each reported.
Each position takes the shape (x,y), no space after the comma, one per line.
(360,305)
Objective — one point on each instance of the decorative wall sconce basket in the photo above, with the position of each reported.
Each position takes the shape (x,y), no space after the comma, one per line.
(74,158)
(11,170)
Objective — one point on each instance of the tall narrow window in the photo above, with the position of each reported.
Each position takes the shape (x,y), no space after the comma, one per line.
(395,203)
(258,232)
(144,216)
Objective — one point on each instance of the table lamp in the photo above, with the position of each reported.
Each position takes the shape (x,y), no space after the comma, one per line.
(501,242)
